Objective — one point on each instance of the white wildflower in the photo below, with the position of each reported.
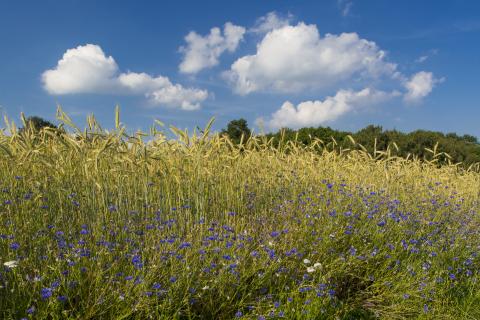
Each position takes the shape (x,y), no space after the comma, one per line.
(311,269)
(11,264)
(306,261)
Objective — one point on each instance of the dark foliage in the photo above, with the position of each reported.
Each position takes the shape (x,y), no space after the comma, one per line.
(235,129)
(465,149)
(37,123)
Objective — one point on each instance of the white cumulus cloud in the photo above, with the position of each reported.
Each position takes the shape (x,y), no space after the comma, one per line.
(270,22)
(176,95)
(86,69)
(295,58)
(419,86)
(204,51)
(314,113)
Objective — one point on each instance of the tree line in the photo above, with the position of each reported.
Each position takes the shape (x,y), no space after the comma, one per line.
(420,143)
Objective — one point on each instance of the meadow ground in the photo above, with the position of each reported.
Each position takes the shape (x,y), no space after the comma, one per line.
(105,226)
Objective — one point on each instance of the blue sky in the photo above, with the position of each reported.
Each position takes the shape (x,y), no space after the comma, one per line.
(338,63)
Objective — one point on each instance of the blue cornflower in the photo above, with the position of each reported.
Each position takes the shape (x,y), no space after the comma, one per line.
(353,251)
(62,298)
(156,286)
(15,246)
(239,314)
(331,293)
(185,245)
(137,261)
(46,293)
(173,279)
(274,234)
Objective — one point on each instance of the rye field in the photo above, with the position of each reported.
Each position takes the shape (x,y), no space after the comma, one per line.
(98,224)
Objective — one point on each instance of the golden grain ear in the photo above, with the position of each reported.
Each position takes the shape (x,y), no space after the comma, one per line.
(351,139)
(117,117)
(24,121)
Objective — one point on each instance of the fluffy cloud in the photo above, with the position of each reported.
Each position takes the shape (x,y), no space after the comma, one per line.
(270,22)
(295,58)
(419,86)
(203,51)
(314,113)
(176,95)
(86,69)
(162,92)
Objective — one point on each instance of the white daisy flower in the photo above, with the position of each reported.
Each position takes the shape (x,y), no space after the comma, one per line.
(11,264)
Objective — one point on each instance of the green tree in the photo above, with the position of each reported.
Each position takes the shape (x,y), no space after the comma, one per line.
(37,123)
(235,129)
